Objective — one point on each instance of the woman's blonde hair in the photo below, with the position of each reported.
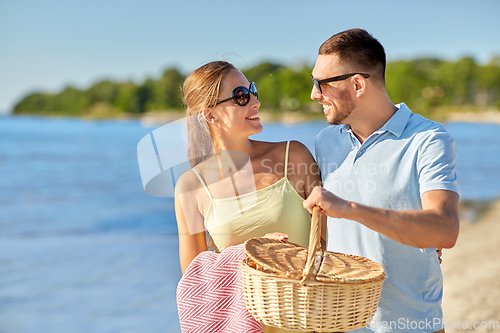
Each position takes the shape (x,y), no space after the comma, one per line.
(200,92)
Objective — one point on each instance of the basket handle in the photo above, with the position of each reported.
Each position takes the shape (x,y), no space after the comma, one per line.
(314,245)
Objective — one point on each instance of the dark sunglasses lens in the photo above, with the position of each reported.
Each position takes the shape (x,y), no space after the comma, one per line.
(241,96)
(317,85)
(253,90)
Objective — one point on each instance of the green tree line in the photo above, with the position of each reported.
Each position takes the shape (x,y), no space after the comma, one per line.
(423,84)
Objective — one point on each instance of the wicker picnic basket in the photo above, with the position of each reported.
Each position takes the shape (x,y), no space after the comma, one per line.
(305,289)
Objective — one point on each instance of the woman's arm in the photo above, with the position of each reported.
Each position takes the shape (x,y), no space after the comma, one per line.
(192,238)
(306,174)
(303,172)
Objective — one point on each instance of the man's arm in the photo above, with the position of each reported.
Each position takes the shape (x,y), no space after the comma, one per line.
(436,225)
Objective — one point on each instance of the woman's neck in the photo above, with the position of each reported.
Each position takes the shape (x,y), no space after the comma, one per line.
(241,144)
(233,154)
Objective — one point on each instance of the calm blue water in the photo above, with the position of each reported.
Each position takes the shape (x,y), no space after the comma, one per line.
(77,176)
(84,249)
(74,176)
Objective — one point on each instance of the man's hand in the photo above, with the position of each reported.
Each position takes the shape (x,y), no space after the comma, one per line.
(329,203)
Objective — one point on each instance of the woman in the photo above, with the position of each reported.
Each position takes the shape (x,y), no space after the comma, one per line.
(238,188)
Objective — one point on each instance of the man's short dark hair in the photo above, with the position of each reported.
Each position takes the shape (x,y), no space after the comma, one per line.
(358,49)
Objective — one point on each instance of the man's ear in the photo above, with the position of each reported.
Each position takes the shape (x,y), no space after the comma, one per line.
(209,116)
(359,85)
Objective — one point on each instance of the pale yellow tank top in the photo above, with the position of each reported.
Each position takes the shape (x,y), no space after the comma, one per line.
(275,208)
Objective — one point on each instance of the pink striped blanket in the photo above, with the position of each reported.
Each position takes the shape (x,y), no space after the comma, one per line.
(210,295)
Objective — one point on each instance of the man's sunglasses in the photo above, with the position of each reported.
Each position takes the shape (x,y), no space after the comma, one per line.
(241,95)
(317,83)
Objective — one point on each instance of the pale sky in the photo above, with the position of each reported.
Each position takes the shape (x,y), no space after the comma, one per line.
(46,45)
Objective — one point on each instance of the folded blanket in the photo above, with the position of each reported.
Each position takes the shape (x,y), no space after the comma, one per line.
(210,295)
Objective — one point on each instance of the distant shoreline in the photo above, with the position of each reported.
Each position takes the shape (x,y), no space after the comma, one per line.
(492,117)
(473,211)
(153,118)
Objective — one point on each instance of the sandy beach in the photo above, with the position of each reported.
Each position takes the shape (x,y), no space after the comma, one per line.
(472,276)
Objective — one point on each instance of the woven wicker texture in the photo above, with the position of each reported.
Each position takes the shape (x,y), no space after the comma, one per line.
(288,260)
(286,285)
(316,306)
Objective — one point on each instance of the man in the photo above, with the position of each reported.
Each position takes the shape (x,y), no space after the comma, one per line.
(389,176)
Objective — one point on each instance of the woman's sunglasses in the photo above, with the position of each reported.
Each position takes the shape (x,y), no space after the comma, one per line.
(241,95)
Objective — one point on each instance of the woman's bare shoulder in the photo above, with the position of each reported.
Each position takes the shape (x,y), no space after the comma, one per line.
(266,148)
(298,146)
(299,151)
(267,144)
(187,182)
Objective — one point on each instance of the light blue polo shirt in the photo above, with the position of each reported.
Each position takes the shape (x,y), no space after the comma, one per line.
(408,156)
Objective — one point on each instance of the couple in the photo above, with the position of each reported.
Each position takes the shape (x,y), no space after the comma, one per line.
(389,177)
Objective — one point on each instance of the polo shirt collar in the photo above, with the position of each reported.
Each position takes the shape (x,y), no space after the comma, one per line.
(397,123)
(344,127)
